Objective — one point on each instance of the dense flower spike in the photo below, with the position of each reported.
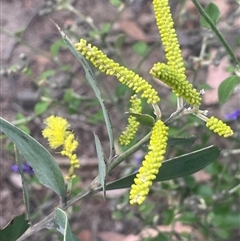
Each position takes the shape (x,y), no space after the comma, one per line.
(219,127)
(124,75)
(56,131)
(151,164)
(58,134)
(133,124)
(168,35)
(177,82)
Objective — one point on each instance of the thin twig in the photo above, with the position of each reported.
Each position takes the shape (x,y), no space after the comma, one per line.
(217,32)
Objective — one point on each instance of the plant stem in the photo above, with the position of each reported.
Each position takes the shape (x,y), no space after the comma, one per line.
(95,187)
(236,188)
(216,31)
(24,183)
(127,153)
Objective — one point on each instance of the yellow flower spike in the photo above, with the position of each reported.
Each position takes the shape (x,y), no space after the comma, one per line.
(150,166)
(124,75)
(56,131)
(133,124)
(58,134)
(168,35)
(177,82)
(70,144)
(219,127)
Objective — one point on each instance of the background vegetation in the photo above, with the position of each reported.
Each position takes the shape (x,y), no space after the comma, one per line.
(41,77)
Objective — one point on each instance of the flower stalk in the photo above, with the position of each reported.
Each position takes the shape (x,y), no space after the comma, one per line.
(177,82)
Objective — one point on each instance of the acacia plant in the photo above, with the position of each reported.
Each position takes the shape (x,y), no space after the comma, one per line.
(154,166)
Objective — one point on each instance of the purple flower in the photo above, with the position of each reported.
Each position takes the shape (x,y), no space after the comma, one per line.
(25,167)
(138,158)
(234,115)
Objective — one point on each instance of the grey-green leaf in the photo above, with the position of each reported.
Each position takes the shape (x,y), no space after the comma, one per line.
(45,167)
(174,141)
(176,167)
(62,225)
(213,13)
(143,119)
(227,87)
(14,229)
(92,82)
(102,166)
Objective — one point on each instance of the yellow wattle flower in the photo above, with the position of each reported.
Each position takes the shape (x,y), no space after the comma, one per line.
(133,124)
(151,164)
(70,146)
(56,131)
(219,127)
(124,75)
(58,134)
(177,82)
(168,35)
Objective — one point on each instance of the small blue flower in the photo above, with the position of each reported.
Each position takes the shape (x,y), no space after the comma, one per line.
(234,115)
(138,158)
(25,167)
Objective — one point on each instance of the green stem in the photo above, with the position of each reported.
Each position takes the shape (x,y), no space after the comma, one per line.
(95,187)
(127,153)
(24,120)
(236,188)
(216,31)
(24,183)
(69,186)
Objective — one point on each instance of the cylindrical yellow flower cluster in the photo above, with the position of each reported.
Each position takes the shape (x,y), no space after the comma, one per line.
(57,133)
(124,75)
(168,35)
(151,164)
(69,147)
(219,127)
(133,124)
(177,82)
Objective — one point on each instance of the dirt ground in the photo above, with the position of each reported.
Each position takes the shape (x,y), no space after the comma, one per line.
(18,93)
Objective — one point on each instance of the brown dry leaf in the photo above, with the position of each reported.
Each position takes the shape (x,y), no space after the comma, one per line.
(16,180)
(150,232)
(202,176)
(223,7)
(41,62)
(85,235)
(216,74)
(133,30)
(189,5)
(178,227)
(131,237)
(116,193)
(109,236)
